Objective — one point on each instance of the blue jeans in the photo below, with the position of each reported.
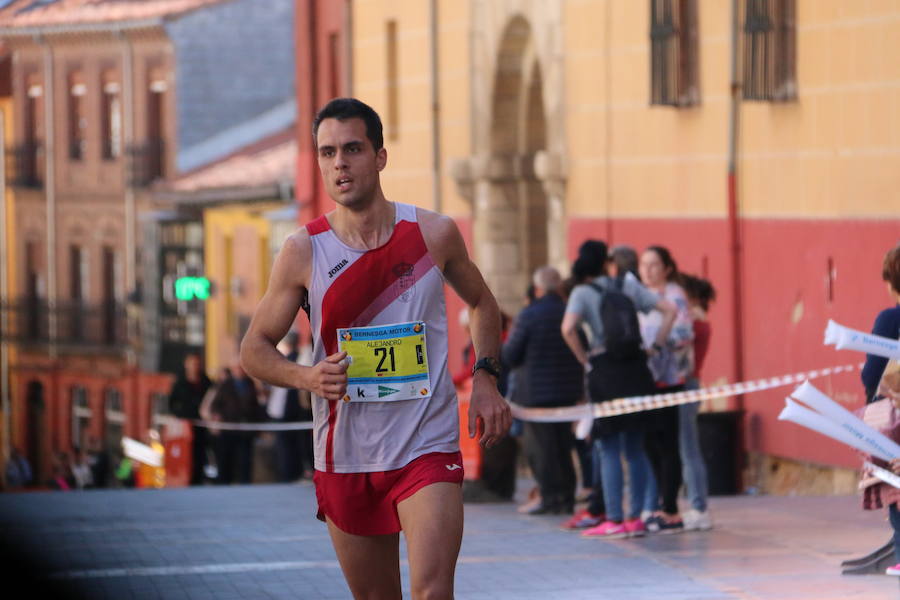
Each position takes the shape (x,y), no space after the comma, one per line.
(610,448)
(693,467)
(894,514)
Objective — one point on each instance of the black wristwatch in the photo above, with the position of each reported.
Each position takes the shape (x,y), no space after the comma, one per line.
(489,364)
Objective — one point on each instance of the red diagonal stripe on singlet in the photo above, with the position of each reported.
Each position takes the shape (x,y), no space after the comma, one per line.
(356,288)
(360,284)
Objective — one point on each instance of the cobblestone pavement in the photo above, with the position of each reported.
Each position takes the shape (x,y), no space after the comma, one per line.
(264,542)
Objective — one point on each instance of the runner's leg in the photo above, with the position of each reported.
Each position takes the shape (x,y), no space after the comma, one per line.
(432,521)
(371,564)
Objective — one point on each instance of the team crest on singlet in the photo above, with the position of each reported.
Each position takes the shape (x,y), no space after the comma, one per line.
(405,280)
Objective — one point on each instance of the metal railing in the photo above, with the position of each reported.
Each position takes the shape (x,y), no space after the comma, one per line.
(146,162)
(79,324)
(24,165)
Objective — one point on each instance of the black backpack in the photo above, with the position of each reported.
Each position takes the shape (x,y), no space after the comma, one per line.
(620,322)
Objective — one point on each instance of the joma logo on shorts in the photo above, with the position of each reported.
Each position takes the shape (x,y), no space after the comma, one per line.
(337,268)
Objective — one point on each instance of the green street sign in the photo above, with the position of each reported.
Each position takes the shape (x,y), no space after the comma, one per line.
(188,288)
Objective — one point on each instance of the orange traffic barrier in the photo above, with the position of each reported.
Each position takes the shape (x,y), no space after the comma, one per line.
(470,448)
(177,437)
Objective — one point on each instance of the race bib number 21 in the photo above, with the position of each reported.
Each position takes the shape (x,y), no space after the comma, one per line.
(387,362)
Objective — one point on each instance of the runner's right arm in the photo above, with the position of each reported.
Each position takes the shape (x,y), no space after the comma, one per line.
(272,320)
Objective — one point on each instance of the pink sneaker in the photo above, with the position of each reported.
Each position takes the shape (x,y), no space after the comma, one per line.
(582,520)
(895,570)
(635,528)
(607,530)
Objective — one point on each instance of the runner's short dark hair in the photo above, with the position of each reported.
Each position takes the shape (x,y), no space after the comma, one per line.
(344,109)
(890,271)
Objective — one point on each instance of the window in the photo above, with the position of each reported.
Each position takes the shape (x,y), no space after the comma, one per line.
(32,315)
(111,118)
(674,68)
(78,282)
(28,163)
(769,52)
(155,127)
(393,96)
(77,273)
(114,413)
(81,415)
(108,305)
(77,117)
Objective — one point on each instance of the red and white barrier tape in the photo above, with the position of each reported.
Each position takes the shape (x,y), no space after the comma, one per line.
(623,406)
(611,408)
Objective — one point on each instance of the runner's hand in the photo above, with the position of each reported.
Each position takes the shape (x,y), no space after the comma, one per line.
(895,465)
(489,414)
(329,377)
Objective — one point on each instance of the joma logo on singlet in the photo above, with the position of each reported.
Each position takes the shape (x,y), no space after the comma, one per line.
(337,267)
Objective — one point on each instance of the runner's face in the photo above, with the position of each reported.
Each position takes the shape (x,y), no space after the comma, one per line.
(348,163)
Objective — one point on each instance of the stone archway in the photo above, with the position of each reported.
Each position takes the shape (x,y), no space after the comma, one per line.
(513,178)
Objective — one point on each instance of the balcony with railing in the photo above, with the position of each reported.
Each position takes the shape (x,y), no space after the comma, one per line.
(146,162)
(31,322)
(25,165)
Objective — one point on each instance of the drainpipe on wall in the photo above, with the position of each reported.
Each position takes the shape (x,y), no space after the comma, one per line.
(607,114)
(50,193)
(435,112)
(4,299)
(313,37)
(130,221)
(734,230)
(348,48)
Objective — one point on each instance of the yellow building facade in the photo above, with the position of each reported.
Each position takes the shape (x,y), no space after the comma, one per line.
(539,124)
(237,259)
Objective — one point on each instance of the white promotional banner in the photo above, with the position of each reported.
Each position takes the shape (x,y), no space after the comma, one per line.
(810,419)
(809,395)
(135,450)
(883,474)
(844,338)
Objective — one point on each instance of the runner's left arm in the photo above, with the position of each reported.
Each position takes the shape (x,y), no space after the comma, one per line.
(489,414)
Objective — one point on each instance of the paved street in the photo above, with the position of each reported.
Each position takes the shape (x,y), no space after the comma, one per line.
(263,542)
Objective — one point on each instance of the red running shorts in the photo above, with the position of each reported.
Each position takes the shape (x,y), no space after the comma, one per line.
(366,503)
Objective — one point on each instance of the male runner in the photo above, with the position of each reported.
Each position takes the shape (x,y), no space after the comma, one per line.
(371,275)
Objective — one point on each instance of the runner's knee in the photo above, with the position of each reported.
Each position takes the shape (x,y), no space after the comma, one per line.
(433,589)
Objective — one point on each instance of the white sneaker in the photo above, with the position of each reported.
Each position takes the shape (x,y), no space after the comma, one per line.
(694,520)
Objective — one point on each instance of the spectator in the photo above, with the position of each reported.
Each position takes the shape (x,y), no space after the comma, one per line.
(553,377)
(613,375)
(671,364)
(878,382)
(18,470)
(98,459)
(234,400)
(60,474)
(81,470)
(624,261)
(284,406)
(700,293)
(887,323)
(184,402)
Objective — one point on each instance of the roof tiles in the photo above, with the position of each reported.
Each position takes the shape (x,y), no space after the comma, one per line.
(56,13)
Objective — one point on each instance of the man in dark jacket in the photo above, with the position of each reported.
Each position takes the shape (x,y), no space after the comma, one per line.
(551,377)
(235,401)
(184,402)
